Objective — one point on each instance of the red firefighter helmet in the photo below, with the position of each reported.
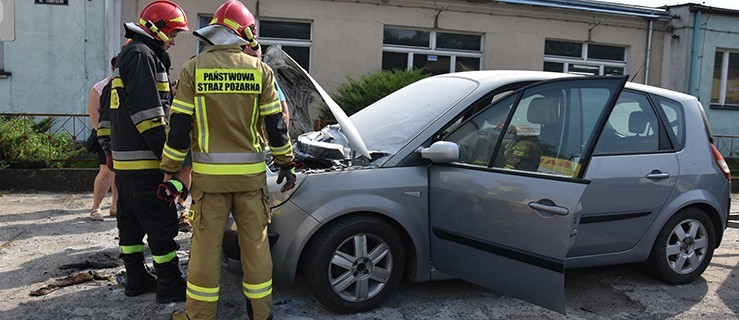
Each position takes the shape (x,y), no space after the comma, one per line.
(160,17)
(235,16)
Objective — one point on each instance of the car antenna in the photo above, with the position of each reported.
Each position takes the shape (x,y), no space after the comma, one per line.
(637,72)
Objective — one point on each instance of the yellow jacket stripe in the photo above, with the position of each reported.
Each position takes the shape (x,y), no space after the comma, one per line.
(132,249)
(131,160)
(103,132)
(228,169)
(163,86)
(270,108)
(135,165)
(202,293)
(256,291)
(165,258)
(173,153)
(151,123)
(201,118)
(284,149)
(256,138)
(183,107)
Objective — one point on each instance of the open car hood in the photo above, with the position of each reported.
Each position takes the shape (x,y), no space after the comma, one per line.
(305,98)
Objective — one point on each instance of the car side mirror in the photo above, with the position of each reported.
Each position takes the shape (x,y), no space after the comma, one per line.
(441,152)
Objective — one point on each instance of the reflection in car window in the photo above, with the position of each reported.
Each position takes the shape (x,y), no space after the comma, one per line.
(477,137)
(551,127)
(632,127)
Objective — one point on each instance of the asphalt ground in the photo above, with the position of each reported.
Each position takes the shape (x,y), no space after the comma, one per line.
(43,234)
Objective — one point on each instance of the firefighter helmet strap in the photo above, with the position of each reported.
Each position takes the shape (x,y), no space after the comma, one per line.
(154,29)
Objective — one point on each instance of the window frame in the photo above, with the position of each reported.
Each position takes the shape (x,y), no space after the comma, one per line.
(567,61)
(432,49)
(280,42)
(723,81)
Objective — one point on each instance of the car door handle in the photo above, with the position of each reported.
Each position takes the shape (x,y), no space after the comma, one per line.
(549,208)
(658,175)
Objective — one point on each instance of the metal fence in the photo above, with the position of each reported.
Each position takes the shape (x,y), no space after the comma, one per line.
(728,145)
(75,126)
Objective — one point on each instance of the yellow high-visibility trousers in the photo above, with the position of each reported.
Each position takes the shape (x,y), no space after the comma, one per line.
(251,213)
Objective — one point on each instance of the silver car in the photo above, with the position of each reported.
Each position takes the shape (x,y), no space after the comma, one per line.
(504,179)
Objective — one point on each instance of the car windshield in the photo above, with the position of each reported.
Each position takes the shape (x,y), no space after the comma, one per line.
(391,122)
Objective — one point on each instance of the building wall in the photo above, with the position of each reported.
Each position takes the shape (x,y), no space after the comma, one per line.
(55,63)
(676,57)
(57,55)
(717,31)
(347,35)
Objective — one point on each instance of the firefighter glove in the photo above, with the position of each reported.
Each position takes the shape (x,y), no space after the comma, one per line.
(287,173)
(170,190)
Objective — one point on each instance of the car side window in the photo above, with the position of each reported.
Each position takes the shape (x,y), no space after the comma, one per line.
(478,135)
(632,127)
(674,118)
(552,126)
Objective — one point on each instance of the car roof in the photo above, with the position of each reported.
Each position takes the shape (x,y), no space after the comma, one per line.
(496,78)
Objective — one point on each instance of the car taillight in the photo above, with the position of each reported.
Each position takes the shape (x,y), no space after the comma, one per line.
(721,162)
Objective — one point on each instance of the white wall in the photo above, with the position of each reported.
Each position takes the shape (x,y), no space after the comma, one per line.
(57,55)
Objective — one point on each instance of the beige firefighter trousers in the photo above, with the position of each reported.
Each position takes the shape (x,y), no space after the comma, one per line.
(210,213)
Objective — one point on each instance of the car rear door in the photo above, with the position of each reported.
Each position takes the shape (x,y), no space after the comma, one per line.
(508,227)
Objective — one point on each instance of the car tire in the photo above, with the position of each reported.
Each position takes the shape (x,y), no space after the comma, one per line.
(684,247)
(347,282)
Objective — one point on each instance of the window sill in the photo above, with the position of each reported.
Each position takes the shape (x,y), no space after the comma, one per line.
(724,106)
(4,74)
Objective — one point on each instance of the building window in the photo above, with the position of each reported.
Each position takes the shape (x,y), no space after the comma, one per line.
(584,58)
(203,20)
(725,87)
(435,51)
(293,37)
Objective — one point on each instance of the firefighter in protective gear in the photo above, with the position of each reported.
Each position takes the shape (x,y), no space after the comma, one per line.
(132,133)
(523,153)
(223,95)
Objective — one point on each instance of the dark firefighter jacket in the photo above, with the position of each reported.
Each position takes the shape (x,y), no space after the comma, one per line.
(222,96)
(132,120)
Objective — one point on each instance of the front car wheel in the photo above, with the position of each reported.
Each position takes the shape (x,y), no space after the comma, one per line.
(354,264)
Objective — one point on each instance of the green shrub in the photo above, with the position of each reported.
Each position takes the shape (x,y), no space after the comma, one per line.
(27,144)
(355,95)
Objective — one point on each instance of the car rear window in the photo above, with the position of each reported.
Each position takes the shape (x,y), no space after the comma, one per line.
(674,119)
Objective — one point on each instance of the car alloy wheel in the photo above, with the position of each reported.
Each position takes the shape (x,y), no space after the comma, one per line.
(354,263)
(684,247)
(360,268)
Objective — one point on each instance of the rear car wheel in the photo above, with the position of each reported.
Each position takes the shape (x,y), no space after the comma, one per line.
(683,248)
(354,264)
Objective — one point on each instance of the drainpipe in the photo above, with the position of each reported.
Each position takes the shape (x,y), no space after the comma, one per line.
(649,51)
(694,55)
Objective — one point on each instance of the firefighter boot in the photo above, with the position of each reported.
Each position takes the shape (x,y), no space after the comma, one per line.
(138,279)
(171,287)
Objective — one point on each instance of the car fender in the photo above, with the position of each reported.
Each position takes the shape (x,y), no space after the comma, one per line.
(396,194)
